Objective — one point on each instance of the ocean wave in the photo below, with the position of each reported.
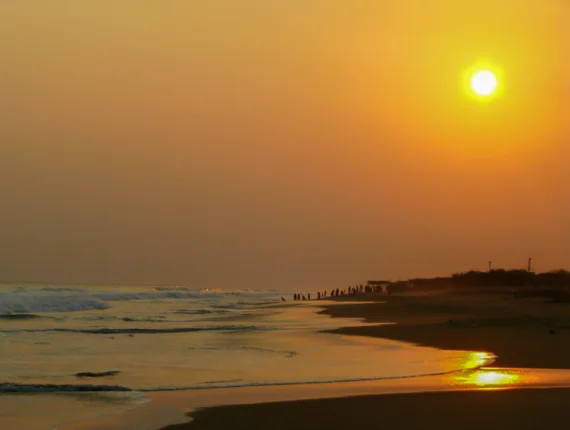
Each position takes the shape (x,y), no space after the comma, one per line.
(19,316)
(228,306)
(159,319)
(63,289)
(69,299)
(141,330)
(223,382)
(9,387)
(199,311)
(28,303)
(287,354)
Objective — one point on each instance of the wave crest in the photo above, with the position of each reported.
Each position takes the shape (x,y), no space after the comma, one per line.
(70,299)
(9,387)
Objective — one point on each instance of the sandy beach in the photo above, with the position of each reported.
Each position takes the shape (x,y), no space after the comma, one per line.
(509,409)
(522,332)
(270,214)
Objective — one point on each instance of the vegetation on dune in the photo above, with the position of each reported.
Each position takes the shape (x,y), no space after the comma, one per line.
(559,279)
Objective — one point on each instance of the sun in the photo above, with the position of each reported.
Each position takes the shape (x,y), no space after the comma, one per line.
(484,83)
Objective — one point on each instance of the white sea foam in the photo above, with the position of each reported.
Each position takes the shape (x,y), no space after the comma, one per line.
(173,338)
(70,299)
(133,330)
(27,303)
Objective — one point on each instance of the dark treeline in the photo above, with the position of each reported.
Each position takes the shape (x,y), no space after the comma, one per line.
(492,278)
(555,284)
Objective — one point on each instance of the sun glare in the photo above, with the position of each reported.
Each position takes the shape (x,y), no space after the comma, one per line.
(488,378)
(484,83)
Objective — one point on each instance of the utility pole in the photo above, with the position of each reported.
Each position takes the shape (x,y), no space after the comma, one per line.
(528,268)
(490,266)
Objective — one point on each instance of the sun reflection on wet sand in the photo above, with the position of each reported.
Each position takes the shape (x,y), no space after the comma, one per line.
(489,379)
(169,407)
(476,360)
(476,376)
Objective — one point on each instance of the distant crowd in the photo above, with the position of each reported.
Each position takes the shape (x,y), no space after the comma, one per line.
(556,280)
(358,289)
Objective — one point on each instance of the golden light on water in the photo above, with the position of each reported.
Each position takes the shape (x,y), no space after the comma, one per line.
(484,83)
(488,378)
(477,376)
(478,359)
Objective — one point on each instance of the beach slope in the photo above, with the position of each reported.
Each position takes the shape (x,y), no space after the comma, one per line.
(530,332)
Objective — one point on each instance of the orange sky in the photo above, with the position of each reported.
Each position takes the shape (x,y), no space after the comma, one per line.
(313,143)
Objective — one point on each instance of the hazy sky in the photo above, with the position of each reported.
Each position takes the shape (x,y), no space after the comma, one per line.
(280,143)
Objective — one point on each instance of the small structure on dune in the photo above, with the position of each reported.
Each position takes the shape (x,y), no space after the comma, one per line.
(377,287)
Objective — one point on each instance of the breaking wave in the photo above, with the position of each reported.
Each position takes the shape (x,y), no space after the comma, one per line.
(287,354)
(8,387)
(28,304)
(69,299)
(142,330)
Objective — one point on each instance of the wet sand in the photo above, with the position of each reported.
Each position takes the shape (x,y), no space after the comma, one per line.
(503,409)
(521,332)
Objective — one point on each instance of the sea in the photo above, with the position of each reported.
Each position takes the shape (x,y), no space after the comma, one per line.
(74,352)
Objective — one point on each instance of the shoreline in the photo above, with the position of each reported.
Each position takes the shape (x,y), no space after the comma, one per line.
(521,333)
(520,409)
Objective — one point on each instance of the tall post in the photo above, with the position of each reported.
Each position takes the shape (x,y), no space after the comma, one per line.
(528,268)
(490,266)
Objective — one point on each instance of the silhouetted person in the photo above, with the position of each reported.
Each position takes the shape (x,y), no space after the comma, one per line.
(325,293)
(309,296)
(319,295)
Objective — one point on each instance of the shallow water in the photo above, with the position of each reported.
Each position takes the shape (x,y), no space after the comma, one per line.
(179,338)
(49,411)
(167,408)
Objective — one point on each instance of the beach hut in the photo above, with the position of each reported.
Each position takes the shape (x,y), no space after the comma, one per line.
(378,286)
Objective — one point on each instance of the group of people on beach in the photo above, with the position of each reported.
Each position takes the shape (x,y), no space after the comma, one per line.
(320,296)
(358,289)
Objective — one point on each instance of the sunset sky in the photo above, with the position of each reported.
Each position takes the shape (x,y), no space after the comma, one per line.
(282,144)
